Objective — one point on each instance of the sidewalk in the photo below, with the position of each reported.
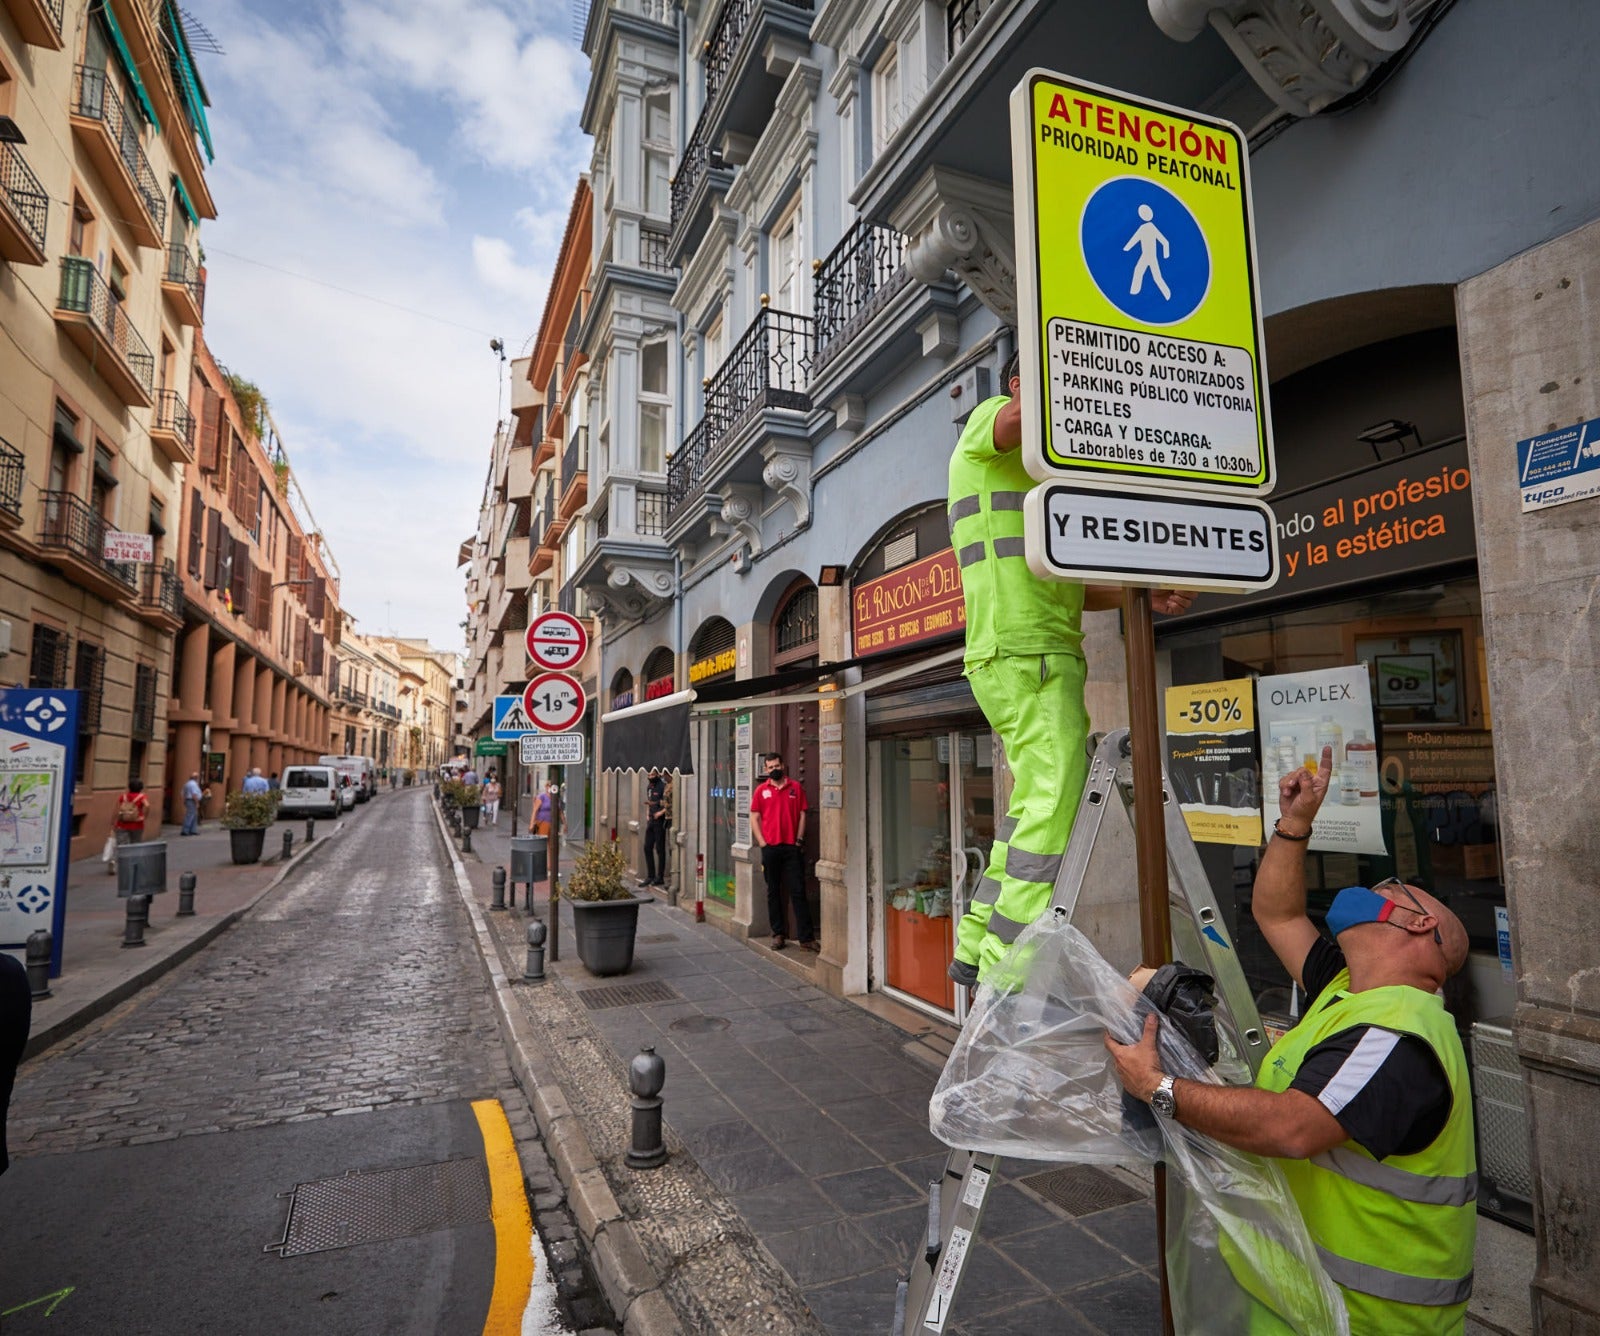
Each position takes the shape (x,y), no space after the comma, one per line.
(97,972)
(798,1121)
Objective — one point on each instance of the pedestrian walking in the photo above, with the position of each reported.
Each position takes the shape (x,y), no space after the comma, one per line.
(132,809)
(539,822)
(778,826)
(192,793)
(491,800)
(272,782)
(254,783)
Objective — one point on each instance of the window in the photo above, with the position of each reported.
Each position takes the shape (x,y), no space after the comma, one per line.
(887,108)
(713,346)
(47,661)
(80,236)
(158,519)
(787,262)
(658,117)
(64,448)
(144,702)
(89,678)
(654,406)
(105,481)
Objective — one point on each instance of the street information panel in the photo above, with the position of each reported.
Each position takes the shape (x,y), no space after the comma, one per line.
(1136,291)
(552,749)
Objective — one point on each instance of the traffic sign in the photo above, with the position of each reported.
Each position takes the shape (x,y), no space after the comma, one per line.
(1140,324)
(556,640)
(552,749)
(554,702)
(1133,534)
(510,719)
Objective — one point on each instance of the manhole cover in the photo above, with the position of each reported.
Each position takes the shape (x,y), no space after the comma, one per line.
(1082,1189)
(627,995)
(376,1205)
(699,1024)
(657,938)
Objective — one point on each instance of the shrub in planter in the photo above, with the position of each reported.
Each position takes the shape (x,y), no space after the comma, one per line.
(605,913)
(246,816)
(469,799)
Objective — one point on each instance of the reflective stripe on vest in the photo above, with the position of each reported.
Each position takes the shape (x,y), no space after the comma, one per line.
(1394,1285)
(1024,866)
(987,892)
(1007,500)
(965,509)
(1008,828)
(1428,1189)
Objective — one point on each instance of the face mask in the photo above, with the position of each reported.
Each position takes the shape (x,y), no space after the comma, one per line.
(776,774)
(1356,904)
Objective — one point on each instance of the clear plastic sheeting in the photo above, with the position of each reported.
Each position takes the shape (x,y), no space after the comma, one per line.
(1030,1077)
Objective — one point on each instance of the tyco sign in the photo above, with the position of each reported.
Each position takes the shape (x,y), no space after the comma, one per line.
(1141,329)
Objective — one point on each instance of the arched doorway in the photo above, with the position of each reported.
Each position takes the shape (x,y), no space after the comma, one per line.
(794,730)
(713,657)
(660,669)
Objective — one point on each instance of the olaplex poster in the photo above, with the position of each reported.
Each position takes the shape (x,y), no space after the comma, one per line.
(1299,715)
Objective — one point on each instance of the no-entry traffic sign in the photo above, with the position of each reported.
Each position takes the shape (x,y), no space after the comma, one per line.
(1139,535)
(554,701)
(1140,322)
(556,640)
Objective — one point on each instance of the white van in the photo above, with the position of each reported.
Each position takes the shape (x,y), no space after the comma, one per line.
(359,770)
(309,790)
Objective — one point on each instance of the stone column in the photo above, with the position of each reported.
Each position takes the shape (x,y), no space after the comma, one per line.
(833,644)
(1527,335)
(277,758)
(223,661)
(191,685)
(261,719)
(244,704)
(187,713)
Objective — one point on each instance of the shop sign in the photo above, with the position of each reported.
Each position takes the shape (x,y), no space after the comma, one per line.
(713,665)
(1411,515)
(621,700)
(662,686)
(1559,466)
(1136,291)
(918,602)
(1211,761)
(489,747)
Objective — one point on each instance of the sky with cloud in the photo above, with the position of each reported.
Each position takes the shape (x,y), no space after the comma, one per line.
(392,182)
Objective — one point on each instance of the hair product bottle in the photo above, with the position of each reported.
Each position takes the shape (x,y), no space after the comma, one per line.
(1361,761)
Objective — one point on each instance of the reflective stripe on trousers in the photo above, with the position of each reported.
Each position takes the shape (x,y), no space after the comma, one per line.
(1394,1286)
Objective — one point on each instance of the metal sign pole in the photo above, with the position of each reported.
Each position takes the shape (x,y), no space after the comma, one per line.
(554,848)
(1150,842)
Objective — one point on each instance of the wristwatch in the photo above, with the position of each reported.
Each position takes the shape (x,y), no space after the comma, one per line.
(1162,1099)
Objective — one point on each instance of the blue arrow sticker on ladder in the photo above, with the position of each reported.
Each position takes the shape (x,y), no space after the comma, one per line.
(1211,932)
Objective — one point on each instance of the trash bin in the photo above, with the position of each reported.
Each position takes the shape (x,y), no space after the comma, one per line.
(142,868)
(530,858)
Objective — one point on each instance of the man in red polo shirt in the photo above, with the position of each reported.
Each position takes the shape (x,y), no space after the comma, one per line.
(777,825)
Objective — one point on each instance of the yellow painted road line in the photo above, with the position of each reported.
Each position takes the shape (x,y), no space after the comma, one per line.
(513,1225)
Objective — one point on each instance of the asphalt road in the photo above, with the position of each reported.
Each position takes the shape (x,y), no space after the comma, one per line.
(339,1034)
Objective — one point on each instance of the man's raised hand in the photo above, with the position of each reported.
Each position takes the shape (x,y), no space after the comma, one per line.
(1300,793)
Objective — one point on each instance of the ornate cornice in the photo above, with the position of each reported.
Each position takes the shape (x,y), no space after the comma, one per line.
(1305,54)
(962,224)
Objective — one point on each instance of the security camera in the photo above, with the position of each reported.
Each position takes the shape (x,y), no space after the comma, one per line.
(497,346)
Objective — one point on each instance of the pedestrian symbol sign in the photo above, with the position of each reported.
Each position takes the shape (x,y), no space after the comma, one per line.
(1139,321)
(511,721)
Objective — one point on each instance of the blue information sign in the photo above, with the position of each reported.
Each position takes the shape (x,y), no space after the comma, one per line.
(1145,251)
(1560,466)
(38,755)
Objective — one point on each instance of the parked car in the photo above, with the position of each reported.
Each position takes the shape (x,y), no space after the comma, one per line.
(357,768)
(309,790)
(349,793)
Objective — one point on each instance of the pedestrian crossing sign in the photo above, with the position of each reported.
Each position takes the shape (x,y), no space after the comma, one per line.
(511,720)
(1139,320)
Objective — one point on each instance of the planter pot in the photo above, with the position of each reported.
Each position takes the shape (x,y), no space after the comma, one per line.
(247,844)
(469,817)
(605,931)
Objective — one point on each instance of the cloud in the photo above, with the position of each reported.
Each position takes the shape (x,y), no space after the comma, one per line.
(496,264)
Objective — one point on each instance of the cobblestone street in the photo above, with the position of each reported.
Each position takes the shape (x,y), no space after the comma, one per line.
(352,993)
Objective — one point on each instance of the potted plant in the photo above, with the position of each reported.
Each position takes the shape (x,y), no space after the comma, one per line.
(469,798)
(605,913)
(246,816)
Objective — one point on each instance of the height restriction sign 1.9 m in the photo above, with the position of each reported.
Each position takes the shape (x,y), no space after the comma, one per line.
(1139,321)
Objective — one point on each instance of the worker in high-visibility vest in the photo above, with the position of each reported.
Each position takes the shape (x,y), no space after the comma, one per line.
(1366,1104)
(1024,662)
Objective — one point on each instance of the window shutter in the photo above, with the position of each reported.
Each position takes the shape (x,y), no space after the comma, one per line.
(197,532)
(89,677)
(210,430)
(242,578)
(316,666)
(213,546)
(316,605)
(263,618)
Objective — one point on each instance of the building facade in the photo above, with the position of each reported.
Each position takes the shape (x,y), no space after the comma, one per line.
(426,701)
(102,190)
(838,284)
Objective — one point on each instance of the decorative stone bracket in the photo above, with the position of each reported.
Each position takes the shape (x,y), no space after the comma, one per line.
(739,515)
(1305,54)
(962,223)
(631,592)
(787,471)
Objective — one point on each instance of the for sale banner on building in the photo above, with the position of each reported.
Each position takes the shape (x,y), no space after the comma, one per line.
(1211,761)
(1303,713)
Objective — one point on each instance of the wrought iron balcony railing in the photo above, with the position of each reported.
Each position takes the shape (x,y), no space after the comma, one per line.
(863,270)
(575,458)
(653,251)
(172,414)
(725,38)
(567,600)
(95,97)
(13,468)
(68,523)
(84,291)
(698,158)
(650,513)
(960,18)
(160,588)
(24,196)
(602,521)
(183,268)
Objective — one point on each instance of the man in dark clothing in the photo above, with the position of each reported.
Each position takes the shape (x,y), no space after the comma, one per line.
(16,1012)
(655,829)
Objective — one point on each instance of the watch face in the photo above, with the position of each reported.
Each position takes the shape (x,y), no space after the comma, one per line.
(1162,1102)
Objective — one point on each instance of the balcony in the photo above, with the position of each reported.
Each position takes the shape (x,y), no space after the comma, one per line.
(93,318)
(769,368)
(183,287)
(747,57)
(857,279)
(575,474)
(109,134)
(13,469)
(38,21)
(650,514)
(160,595)
(172,428)
(960,18)
(24,209)
(73,534)
(701,171)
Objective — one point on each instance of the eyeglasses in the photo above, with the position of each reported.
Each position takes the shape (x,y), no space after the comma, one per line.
(1394,883)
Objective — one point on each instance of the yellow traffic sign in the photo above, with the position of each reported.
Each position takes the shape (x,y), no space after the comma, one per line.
(1139,320)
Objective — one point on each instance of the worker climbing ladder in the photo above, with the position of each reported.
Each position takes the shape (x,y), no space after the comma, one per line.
(925,1298)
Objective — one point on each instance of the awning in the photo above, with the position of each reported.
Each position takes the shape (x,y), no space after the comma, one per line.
(194,98)
(184,201)
(125,59)
(655,733)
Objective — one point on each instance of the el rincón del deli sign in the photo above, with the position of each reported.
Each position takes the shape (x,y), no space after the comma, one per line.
(914,603)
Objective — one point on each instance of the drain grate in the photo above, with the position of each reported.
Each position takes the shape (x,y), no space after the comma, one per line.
(627,995)
(377,1205)
(657,938)
(699,1024)
(1081,1189)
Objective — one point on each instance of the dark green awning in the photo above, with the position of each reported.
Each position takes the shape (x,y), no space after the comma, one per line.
(194,99)
(125,59)
(184,200)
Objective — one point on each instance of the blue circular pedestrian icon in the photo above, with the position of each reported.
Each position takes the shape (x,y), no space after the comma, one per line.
(32,899)
(1145,251)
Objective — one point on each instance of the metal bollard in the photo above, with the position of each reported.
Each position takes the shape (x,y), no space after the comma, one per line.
(647,1073)
(466,840)
(533,970)
(498,880)
(38,962)
(288,845)
(138,917)
(311,829)
(186,895)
